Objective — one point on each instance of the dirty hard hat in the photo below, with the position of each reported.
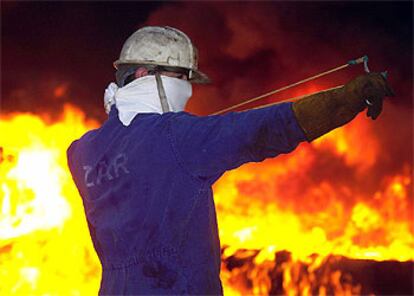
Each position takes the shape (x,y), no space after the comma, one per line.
(162,46)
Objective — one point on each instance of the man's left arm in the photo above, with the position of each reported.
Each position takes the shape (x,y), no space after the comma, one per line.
(210,145)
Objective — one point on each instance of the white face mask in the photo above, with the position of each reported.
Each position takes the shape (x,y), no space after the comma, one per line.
(141,96)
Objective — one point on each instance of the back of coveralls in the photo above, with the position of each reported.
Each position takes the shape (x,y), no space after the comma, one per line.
(146,190)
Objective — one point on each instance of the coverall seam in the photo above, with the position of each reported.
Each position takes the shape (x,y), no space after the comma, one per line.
(196,179)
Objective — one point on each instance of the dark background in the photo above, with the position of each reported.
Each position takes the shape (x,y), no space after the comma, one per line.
(247,48)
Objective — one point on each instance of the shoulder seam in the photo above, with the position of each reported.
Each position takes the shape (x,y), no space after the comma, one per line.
(178,157)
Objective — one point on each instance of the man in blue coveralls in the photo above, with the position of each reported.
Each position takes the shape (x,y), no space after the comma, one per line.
(145,175)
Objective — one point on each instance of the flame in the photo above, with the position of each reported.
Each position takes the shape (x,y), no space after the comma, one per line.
(261,207)
(276,218)
(45,247)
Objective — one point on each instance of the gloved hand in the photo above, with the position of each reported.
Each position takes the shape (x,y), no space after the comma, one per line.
(370,89)
(322,112)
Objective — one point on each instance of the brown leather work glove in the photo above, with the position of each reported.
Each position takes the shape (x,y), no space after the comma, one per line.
(322,112)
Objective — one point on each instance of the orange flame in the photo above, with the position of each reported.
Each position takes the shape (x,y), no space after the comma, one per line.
(260,208)
(263,209)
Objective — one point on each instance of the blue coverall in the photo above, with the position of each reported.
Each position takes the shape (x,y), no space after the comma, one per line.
(146,190)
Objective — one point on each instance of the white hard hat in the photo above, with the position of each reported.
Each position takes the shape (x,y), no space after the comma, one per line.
(162,46)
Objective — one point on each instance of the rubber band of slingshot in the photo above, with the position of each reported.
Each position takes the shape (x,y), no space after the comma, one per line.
(363,59)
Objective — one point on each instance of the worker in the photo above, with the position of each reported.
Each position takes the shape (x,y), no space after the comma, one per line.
(145,175)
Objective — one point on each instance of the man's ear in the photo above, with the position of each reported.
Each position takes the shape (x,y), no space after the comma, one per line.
(141,72)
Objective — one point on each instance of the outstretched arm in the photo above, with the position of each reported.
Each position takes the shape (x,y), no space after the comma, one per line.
(210,145)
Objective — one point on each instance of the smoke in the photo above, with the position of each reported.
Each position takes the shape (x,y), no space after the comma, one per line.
(248,48)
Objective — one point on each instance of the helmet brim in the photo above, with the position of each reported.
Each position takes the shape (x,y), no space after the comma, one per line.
(197,76)
(200,77)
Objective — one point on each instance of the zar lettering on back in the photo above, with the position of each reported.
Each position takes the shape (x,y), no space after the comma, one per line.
(106,170)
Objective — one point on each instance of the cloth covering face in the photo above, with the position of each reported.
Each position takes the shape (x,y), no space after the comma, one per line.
(141,96)
(146,191)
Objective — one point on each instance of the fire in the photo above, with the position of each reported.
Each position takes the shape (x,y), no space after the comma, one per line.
(44,243)
(274,206)
(282,222)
